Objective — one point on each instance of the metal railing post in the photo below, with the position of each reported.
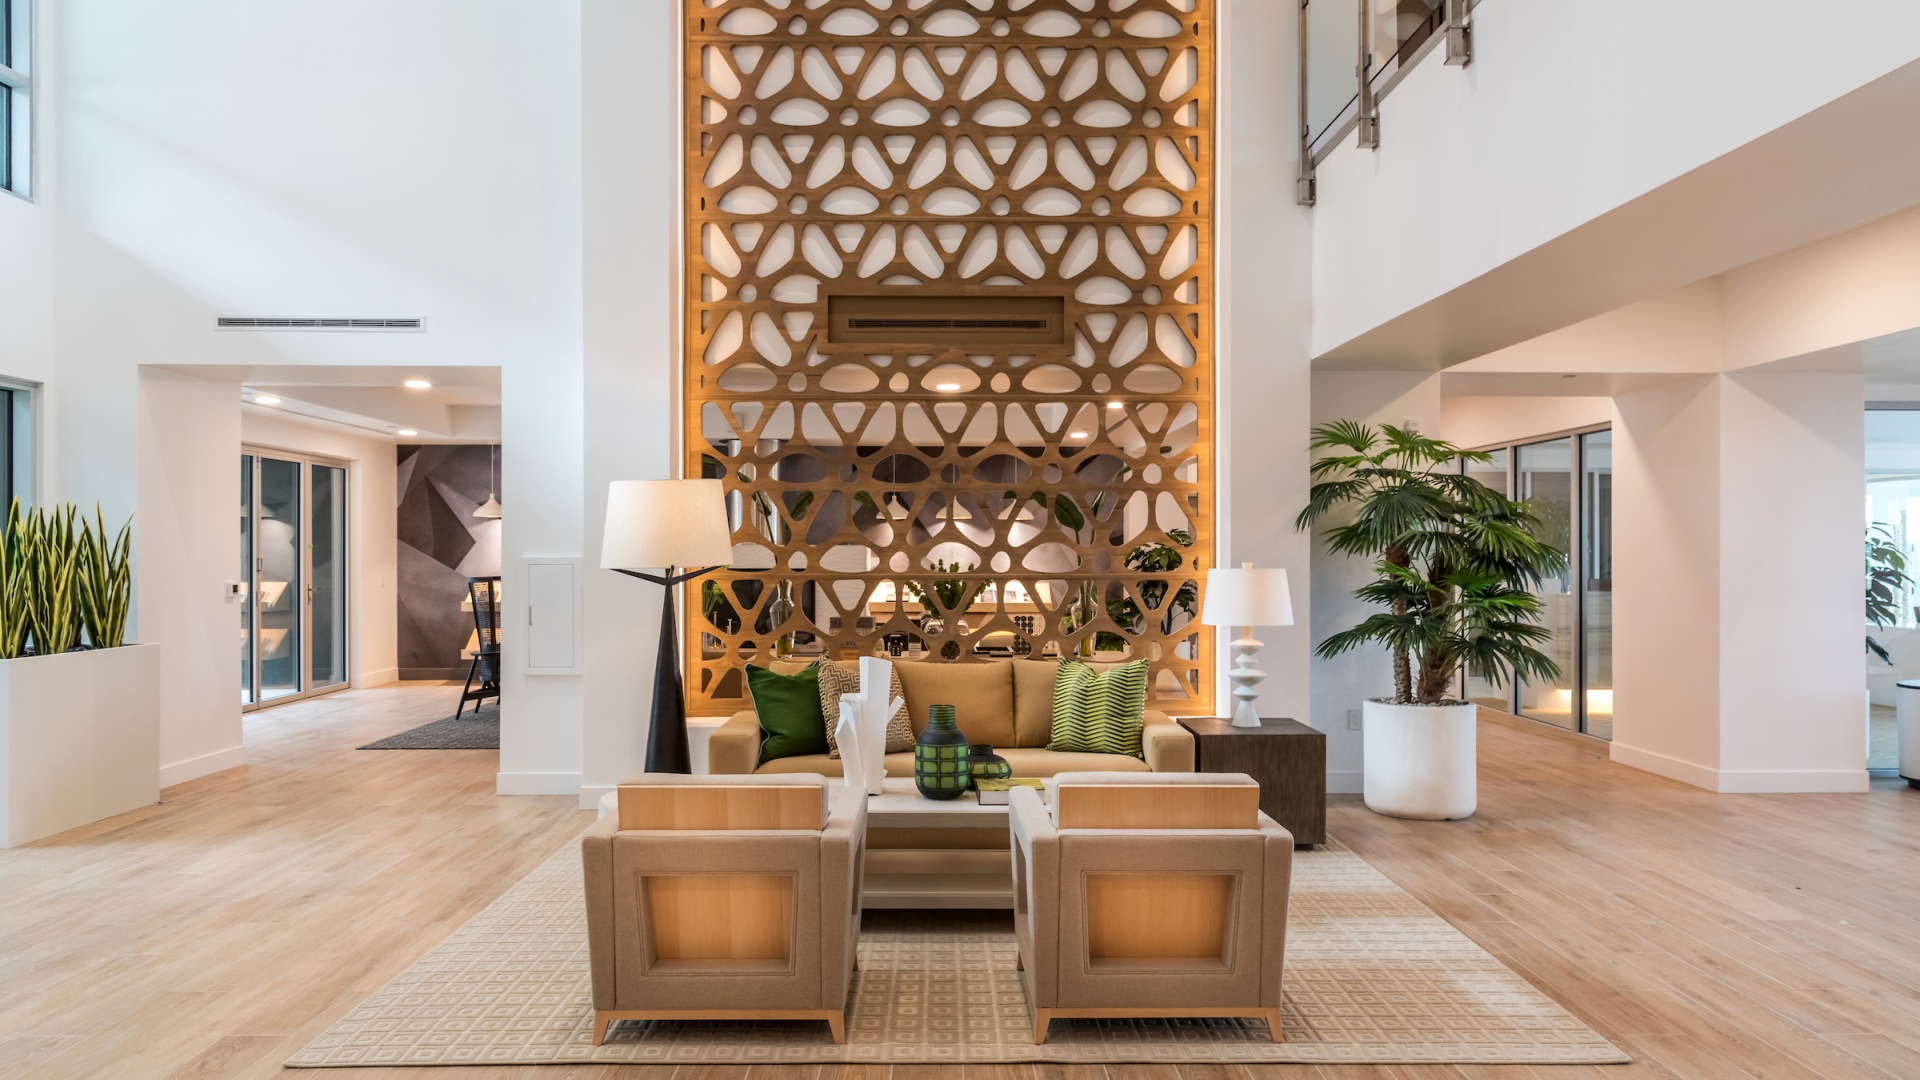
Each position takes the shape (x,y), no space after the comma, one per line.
(1459,33)
(1306,187)
(1366,110)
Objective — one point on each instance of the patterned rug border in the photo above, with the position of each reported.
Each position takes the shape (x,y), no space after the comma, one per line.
(511,987)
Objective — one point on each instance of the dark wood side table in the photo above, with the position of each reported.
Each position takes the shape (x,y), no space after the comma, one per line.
(1287,757)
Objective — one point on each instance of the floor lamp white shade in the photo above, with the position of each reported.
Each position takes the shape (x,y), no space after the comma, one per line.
(656,524)
(1247,597)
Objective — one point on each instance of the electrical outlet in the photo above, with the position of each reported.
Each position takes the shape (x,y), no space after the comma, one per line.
(1353,719)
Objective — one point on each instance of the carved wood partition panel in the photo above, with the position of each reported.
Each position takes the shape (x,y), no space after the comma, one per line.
(949,331)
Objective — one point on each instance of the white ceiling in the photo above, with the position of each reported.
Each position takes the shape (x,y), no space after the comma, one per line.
(461,405)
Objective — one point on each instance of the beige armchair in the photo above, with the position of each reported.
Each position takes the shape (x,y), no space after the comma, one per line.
(733,898)
(1158,894)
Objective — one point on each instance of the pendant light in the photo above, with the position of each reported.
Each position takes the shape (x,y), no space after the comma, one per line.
(490,508)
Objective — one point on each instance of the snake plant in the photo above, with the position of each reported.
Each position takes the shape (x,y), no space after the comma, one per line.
(60,574)
(105,581)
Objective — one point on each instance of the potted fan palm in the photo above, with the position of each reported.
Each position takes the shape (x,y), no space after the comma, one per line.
(79,707)
(1455,564)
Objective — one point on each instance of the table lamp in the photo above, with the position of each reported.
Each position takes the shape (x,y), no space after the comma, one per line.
(1246,597)
(678,527)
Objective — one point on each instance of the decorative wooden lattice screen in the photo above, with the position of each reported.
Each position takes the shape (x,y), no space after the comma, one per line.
(950,305)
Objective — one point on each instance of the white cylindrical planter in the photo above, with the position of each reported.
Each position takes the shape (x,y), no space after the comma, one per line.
(1906,697)
(1420,760)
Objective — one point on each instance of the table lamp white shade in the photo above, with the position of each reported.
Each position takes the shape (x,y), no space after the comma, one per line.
(655,524)
(1247,597)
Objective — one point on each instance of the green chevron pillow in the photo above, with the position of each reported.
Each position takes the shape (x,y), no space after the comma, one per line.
(1099,712)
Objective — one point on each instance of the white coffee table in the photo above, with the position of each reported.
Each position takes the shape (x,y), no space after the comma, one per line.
(918,875)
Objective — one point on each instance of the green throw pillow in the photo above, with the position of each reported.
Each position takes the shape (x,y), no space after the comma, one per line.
(1099,712)
(789,710)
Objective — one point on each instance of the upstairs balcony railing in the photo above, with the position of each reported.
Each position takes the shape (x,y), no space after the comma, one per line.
(1353,53)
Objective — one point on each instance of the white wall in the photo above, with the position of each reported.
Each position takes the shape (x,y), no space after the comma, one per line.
(1571,111)
(1346,682)
(217,158)
(372,502)
(1265,388)
(1737,574)
(1496,421)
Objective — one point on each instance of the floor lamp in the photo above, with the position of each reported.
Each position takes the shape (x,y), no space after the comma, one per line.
(679,528)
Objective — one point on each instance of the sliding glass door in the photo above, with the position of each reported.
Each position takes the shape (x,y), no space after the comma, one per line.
(293,547)
(1568,483)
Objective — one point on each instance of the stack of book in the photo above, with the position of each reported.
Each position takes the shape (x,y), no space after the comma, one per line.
(994,792)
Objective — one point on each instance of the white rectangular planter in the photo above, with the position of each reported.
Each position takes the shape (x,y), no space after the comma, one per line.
(79,739)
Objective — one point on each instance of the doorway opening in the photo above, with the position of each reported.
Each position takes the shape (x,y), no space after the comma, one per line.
(293,566)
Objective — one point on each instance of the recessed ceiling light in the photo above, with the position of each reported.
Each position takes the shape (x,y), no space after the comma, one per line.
(266,399)
(406,431)
(1076,434)
(417,384)
(946,387)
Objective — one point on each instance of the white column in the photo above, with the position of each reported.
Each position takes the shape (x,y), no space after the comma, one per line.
(1263,254)
(1737,610)
(630,115)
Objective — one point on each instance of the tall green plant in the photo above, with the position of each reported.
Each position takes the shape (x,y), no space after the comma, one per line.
(1455,561)
(105,581)
(16,597)
(1887,579)
(52,571)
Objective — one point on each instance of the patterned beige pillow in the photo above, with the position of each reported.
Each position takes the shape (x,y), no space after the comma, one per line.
(839,677)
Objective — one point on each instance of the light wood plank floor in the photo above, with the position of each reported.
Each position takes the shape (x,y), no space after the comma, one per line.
(1772,937)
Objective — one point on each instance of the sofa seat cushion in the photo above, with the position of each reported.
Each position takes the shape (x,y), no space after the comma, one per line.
(981,694)
(1027,761)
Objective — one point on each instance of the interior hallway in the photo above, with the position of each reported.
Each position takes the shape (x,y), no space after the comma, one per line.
(1711,936)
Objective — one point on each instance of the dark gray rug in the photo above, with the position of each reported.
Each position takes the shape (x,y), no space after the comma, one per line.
(473,731)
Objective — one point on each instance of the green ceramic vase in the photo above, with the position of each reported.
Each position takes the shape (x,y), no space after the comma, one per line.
(984,764)
(940,757)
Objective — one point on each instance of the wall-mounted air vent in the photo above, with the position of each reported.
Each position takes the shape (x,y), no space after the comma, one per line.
(947,320)
(279,322)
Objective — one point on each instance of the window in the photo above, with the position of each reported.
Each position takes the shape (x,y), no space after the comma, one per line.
(16,440)
(1568,482)
(16,96)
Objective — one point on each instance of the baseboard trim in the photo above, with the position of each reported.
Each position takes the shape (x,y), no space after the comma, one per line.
(377,678)
(1745,781)
(431,674)
(1346,781)
(591,794)
(205,765)
(1794,781)
(1687,772)
(536,783)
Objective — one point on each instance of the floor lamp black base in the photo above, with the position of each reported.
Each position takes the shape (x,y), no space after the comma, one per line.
(667,749)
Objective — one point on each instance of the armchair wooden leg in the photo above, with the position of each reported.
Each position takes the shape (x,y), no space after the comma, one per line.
(602,1024)
(1274,1026)
(1019,961)
(1041,1018)
(837,1025)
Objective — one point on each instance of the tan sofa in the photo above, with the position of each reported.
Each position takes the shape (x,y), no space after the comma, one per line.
(1147,896)
(724,900)
(1005,703)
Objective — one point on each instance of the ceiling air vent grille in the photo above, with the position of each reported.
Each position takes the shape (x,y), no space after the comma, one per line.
(985,321)
(282,322)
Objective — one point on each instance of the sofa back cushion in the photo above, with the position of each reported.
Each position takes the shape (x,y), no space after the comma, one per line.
(981,695)
(1033,701)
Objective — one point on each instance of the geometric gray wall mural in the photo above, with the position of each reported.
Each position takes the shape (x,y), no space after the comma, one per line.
(440,544)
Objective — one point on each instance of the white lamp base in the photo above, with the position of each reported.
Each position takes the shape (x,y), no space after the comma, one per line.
(1246,681)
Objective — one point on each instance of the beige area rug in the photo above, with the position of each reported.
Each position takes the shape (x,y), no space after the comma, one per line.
(1372,976)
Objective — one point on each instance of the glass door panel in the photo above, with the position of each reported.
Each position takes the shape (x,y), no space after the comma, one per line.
(1478,690)
(246,579)
(279,586)
(1543,479)
(1596,605)
(327,588)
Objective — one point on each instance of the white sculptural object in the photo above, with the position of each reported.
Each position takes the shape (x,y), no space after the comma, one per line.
(876,711)
(846,738)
